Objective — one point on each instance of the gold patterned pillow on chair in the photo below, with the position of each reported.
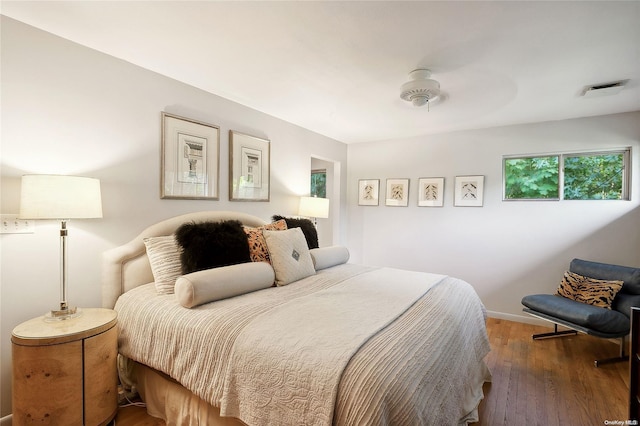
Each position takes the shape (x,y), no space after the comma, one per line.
(588,290)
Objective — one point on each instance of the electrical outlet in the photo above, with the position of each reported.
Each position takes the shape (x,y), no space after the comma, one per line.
(11,224)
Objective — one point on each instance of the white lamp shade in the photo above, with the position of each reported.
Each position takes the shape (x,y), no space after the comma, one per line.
(60,197)
(314,207)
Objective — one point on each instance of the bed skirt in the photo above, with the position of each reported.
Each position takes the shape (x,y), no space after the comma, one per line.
(177,406)
(168,400)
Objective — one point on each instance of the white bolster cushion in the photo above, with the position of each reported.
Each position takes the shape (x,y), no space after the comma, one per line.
(214,284)
(326,257)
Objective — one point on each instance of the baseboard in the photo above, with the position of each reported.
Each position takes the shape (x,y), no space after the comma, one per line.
(6,420)
(526,319)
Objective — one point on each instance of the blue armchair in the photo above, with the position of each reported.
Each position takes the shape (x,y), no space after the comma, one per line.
(589,319)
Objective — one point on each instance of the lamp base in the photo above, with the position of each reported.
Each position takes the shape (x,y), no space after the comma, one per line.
(62,314)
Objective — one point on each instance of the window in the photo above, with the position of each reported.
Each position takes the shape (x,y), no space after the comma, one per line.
(319,183)
(573,176)
(531,178)
(595,177)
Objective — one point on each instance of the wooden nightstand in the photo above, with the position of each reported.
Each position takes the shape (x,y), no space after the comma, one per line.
(64,372)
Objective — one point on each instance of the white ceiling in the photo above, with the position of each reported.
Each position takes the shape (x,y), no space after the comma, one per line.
(336,67)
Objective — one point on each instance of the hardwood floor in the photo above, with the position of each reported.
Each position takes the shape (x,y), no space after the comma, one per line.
(135,416)
(552,381)
(545,382)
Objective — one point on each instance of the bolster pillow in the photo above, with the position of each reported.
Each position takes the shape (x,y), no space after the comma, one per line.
(209,285)
(326,257)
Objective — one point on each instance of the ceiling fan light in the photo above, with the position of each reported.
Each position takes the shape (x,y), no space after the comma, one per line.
(421,90)
(419,101)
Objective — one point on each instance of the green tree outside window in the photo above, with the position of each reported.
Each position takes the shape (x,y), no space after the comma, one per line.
(593,177)
(531,178)
(319,183)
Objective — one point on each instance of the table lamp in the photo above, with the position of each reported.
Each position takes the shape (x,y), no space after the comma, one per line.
(314,207)
(61,198)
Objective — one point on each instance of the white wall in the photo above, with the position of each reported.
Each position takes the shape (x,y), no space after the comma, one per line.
(67,109)
(506,250)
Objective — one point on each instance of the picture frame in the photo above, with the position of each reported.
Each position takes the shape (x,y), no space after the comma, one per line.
(469,191)
(249,167)
(397,194)
(431,192)
(369,192)
(190,159)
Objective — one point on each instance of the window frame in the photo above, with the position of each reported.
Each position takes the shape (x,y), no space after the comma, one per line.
(626,172)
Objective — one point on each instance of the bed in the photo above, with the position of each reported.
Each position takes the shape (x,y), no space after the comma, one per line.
(344,344)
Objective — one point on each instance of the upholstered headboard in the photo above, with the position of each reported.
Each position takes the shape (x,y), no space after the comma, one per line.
(127,266)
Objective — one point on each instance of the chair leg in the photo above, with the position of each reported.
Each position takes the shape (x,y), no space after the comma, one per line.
(598,362)
(555,333)
(622,357)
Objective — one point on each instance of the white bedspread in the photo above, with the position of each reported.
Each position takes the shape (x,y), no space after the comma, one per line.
(415,359)
(278,380)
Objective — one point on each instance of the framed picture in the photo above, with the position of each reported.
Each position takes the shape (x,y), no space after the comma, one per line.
(249,159)
(190,159)
(469,191)
(397,192)
(431,192)
(368,192)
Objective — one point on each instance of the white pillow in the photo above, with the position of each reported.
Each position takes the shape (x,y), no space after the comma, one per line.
(289,255)
(164,257)
(214,284)
(326,257)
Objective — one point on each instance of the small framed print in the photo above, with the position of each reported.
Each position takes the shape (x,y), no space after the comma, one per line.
(469,191)
(397,192)
(368,192)
(431,192)
(190,159)
(249,160)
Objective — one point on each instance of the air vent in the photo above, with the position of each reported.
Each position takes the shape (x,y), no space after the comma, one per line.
(603,89)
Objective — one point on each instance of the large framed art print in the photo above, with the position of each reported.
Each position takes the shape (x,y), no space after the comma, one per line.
(249,162)
(190,159)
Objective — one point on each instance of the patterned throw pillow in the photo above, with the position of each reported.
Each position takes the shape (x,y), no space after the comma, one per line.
(164,257)
(589,290)
(257,245)
(289,254)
